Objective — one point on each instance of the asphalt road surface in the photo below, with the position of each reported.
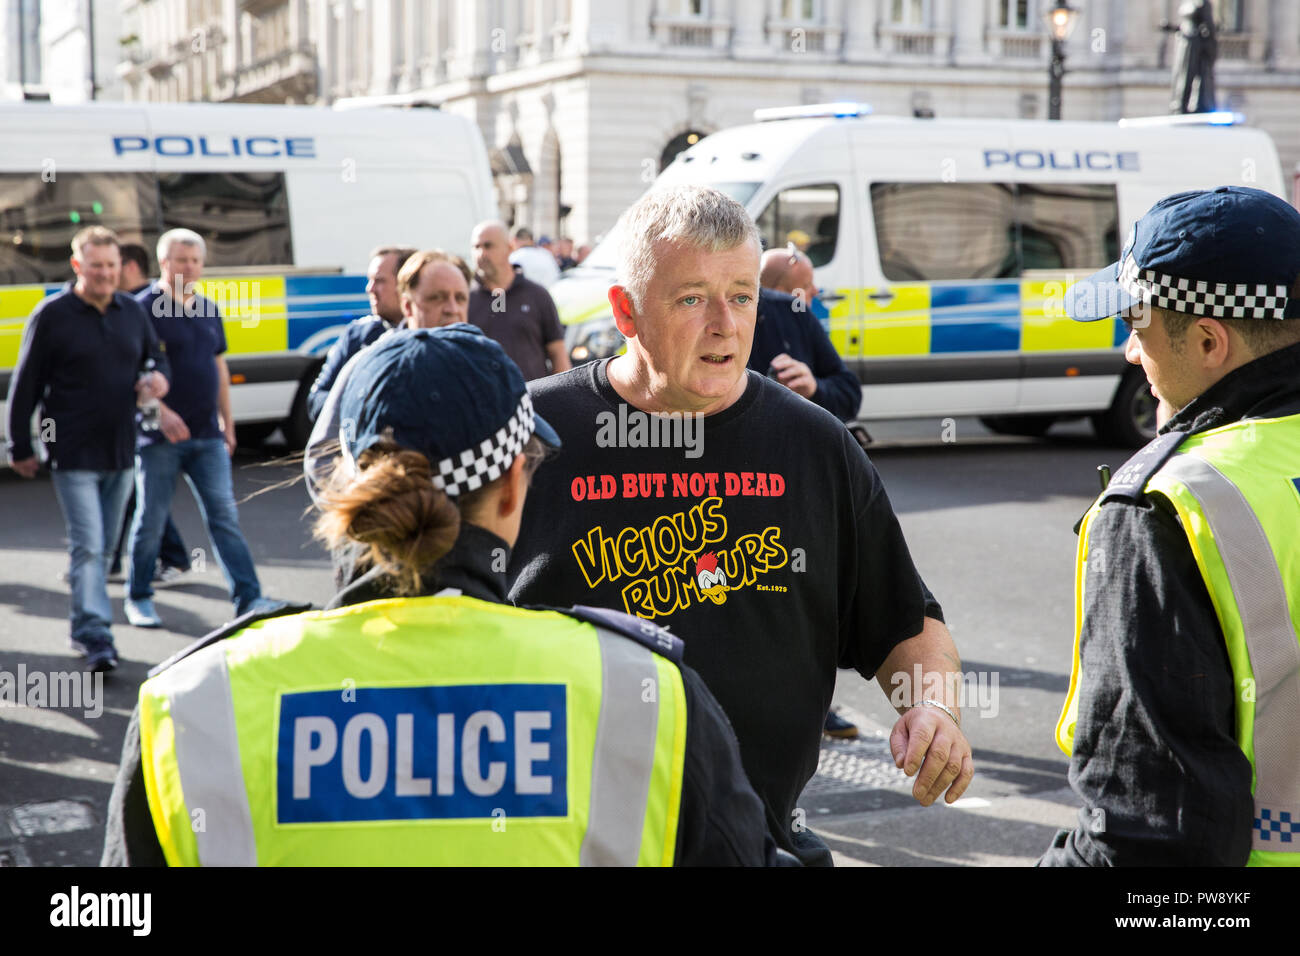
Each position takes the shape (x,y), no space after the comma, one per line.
(989,522)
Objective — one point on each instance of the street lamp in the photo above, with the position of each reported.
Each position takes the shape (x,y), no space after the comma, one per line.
(1060,22)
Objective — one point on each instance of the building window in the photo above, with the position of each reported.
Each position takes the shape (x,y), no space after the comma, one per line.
(687,8)
(809,11)
(1017,15)
(910,13)
(1229,15)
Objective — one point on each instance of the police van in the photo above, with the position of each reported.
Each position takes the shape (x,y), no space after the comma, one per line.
(290,201)
(942,248)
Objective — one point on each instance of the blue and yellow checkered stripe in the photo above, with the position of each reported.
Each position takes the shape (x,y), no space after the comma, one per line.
(936,318)
(263,313)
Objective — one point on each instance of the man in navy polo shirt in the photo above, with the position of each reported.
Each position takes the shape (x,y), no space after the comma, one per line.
(173,556)
(197,433)
(84,360)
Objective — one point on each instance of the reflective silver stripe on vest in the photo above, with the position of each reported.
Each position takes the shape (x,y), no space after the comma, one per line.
(1271,640)
(625,752)
(207,754)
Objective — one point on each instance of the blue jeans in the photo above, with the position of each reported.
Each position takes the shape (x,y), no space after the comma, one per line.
(206,465)
(92,504)
(172,552)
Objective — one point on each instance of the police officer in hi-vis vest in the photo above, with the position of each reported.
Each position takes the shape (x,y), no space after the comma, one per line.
(421,720)
(1183,715)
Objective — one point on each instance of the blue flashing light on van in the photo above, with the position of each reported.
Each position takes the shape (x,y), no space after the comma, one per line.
(843,110)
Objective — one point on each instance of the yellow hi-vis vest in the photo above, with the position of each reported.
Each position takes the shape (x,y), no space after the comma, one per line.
(438,730)
(1236,490)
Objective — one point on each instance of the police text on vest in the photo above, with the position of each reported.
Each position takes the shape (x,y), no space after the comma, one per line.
(402,753)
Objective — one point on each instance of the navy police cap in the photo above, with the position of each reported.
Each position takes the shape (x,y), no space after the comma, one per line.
(450,393)
(1226,253)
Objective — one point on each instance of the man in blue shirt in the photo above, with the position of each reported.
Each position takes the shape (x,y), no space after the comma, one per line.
(85,360)
(173,556)
(791,345)
(385,314)
(196,434)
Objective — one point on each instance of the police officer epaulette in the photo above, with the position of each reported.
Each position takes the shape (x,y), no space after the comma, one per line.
(1127,483)
(229,629)
(638,629)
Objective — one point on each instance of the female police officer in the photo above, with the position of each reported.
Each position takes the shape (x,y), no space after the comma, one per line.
(420,719)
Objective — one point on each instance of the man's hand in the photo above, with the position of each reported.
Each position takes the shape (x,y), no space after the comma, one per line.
(231,442)
(927,739)
(27,467)
(794,375)
(153,385)
(173,426)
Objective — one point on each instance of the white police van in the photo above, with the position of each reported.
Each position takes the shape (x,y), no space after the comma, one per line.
(289,199)
(943,247)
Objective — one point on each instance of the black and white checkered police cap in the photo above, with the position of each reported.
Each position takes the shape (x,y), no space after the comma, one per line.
(1226,253)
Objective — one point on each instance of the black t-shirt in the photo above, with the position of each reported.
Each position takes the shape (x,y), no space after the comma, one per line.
(766,543)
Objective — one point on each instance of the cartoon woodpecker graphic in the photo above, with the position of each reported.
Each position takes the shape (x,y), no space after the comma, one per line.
(712,580)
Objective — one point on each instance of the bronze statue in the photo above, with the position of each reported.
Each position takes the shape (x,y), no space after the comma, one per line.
(1194,60)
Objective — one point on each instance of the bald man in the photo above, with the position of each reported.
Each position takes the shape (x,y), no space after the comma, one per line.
(790,271)
(513,309)
(790,345)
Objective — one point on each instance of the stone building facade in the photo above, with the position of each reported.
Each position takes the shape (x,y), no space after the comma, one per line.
(581,101)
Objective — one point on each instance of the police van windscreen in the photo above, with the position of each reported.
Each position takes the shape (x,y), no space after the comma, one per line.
(243,217)
(605,255)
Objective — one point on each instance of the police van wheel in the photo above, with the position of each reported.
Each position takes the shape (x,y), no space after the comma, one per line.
(298,425)
(1130,422)
(253,434)
(1030,426)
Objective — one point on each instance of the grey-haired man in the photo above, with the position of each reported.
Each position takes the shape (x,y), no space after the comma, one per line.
(197,434)
(766,541)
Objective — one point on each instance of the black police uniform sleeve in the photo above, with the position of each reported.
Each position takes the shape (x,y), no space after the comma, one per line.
(129,835)
(27,386)
(1155,761)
